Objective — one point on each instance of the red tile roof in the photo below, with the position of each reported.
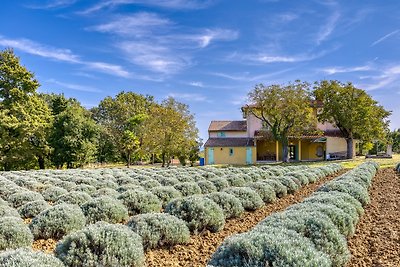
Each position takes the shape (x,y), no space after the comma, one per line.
(227,126)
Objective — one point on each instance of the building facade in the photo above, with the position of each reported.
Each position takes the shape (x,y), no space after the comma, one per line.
(248,142)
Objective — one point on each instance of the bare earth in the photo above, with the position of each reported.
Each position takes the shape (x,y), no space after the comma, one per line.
(202,246)
(377,239)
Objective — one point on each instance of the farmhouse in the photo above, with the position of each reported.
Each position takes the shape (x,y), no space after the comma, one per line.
(249,141)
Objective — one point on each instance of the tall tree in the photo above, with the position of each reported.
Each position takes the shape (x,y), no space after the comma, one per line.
(285,109)
(24,117)
(121,118)
(170,131)
(352,110)
(73,136)
(394,138)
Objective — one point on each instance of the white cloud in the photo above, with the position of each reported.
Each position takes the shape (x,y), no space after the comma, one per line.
(210,35)
(386,77)
(52,4)
(246,77)
(168,4)
(135,24)
(196,84)
(64,55)
(75,87)
(334,70)
(189,97)
(327,29)
(385,37)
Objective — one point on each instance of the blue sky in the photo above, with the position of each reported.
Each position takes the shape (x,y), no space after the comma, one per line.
(207,54)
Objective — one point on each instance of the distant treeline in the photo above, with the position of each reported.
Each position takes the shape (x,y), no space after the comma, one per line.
(49,130)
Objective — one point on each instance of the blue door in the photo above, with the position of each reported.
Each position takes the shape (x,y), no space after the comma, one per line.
(249,155)
(211,156)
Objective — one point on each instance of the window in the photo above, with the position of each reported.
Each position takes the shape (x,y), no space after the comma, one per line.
(230,151)
(221,134)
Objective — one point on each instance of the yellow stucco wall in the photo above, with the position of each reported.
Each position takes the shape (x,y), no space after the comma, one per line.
(309,150)
(336,144)
(222,156)
(265,147)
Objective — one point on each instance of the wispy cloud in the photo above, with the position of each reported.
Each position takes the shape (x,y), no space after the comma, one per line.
(247,77)
(327,29)
(196,84)
(168,4)
(138,24)
(52,4)
(383,77)
(75,87)
(334,70)
(380,40)
(189,97)
(64,55)
(149,40)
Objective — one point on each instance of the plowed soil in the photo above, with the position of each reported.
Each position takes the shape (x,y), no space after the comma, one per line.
(200,247)
(377,239)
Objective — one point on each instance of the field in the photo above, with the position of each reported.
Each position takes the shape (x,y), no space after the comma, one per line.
(316,214)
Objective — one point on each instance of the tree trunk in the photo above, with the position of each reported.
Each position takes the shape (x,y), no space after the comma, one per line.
(128,160)
(163,160)
(41,162)
(350,152)
(285,156)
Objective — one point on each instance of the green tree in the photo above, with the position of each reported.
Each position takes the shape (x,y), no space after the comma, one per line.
(170,131)
(352,111)
(24,117)
(74,133)
(121,119)
(284,109)
(394,138)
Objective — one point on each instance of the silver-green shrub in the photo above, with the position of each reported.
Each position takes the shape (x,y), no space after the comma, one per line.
(347,186)
(397,168)
(109,192)
(165,193)
(235,180)
(52,193)
(74,197)
(207,187)
(57,221)
(279,188)
(159,229)
(188,188)
(105,209)
(26,257)
(14,233)
(315,226)
(265,191)
(20,198)
(101,244)
(274,246)
(300,176)
(231,205)
(89,189)
(291,186)
(149,184)
(127,187)
(198,212)
(8,211)
(33,208)
(248,197)
(220,183)
(342,220)
(138,202)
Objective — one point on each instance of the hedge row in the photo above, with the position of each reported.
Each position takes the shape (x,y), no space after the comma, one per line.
(311,233)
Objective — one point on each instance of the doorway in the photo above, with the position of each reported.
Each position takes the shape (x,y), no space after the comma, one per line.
(292,152)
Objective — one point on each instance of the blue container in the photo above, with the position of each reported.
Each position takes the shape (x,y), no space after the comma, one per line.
(202,162)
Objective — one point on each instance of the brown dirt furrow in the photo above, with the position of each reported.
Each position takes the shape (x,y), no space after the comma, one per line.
(377,239)
(200,247)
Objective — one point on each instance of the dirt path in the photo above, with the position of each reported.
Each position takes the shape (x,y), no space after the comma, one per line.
(202,246)
(377,239)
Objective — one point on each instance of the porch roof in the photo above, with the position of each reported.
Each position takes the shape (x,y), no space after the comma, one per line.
(229,142)
(262,134)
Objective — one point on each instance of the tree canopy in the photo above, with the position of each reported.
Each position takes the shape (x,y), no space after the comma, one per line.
(284,109)
(352,111)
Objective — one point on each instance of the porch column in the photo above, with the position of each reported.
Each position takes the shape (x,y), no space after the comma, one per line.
(277,150)
(299,153)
